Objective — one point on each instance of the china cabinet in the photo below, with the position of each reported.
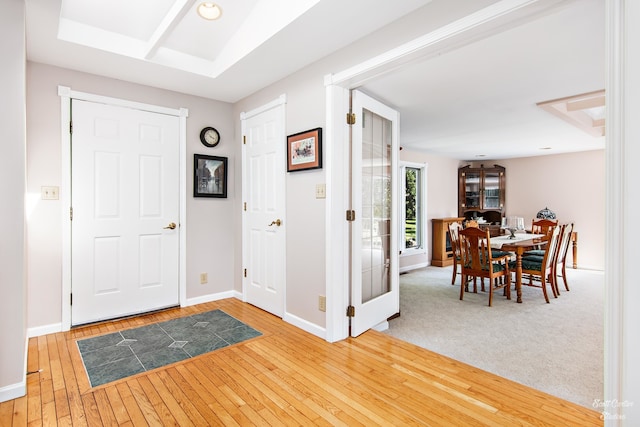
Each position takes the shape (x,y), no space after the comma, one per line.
(481,194)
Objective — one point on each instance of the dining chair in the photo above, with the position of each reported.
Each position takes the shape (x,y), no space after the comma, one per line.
(477,261)
(561,257)
(454,229)
(540,226)
(542,268)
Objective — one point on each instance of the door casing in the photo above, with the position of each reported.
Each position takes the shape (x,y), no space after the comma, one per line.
(66,94)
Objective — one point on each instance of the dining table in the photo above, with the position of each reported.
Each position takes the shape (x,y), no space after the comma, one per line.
(519,244)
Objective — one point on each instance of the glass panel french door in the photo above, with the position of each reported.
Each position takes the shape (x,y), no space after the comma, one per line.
(375,294)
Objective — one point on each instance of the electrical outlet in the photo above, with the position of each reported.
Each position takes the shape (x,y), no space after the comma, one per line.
(49,193)
(203,278)
(322,303)
(321,191)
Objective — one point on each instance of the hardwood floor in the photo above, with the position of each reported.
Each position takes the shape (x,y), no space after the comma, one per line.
(284,377)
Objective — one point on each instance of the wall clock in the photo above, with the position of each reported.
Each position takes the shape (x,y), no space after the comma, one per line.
(209,137)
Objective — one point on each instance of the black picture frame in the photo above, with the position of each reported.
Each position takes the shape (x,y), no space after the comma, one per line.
(209,176)
(304,150)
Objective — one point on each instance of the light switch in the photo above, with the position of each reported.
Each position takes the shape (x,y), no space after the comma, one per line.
(321,191)
(49,193)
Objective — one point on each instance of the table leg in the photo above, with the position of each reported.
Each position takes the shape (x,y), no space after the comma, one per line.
(519,275)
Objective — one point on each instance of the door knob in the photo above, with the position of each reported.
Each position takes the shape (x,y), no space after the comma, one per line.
(276,222)
(171,226)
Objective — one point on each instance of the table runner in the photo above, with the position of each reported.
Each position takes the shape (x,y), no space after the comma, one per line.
(498,241)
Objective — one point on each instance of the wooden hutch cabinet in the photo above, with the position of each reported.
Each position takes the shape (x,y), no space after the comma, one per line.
(481,194)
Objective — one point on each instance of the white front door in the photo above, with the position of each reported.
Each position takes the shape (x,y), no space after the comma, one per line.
(375,292)
(264,223)
(125,200)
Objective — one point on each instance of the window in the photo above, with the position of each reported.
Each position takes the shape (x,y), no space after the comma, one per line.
(413,237)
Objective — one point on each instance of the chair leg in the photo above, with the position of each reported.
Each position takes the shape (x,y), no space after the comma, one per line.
(544,288)
(455,271)
(463,285)
(564,276)
(490,291)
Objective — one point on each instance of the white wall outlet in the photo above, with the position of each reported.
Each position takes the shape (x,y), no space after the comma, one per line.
(321,191)
(49,193)
(322,303)
(203,278)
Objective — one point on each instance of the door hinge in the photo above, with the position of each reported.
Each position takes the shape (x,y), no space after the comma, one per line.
(71,213)
(351,311)
(244,139)
(70,299)
(351,215)
(351,118)
(245,206)
(70,127)
(245,272)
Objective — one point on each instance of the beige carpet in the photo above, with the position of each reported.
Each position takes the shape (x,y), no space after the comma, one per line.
(556,347)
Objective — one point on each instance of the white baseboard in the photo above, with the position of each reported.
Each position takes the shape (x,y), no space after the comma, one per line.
(44,330)
(13,391)
(413,267)
(212,297)
(305,325)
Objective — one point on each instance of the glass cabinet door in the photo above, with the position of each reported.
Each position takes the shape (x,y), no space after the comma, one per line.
(472,189)
(491,194)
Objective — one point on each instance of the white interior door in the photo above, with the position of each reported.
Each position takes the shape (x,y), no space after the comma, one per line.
(125,201)
(264,223)
(375,292)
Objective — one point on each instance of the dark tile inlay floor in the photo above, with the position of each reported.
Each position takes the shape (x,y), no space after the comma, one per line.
(120,354)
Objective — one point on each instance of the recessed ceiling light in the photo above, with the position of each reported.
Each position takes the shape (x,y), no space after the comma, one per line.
(209,11)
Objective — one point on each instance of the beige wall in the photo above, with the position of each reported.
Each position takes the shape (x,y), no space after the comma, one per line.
(442,196)
(571,185)
(210,222)
(13,307)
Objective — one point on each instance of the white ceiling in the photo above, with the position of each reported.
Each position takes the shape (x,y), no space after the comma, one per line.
(476,100)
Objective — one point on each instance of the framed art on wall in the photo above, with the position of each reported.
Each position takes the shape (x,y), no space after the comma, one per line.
(209,176)
(304,150)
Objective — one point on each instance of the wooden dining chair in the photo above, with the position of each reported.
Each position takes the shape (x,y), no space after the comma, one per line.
(541,226)
(477,261)
(454,229)
(561,256)
(542,268)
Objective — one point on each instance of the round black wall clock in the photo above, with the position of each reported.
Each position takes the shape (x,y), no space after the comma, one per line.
(209,137)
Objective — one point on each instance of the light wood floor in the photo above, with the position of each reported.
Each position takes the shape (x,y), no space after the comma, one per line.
(285,377)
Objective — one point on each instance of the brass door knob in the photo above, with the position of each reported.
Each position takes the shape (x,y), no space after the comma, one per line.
(171,226)
(276,222)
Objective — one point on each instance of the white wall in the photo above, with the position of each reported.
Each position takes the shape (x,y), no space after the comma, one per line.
(13,307)
(210,222)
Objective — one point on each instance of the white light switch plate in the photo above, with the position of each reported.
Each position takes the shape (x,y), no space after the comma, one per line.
(321,191)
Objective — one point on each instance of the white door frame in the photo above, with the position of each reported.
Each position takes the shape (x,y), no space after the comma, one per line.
(66,94)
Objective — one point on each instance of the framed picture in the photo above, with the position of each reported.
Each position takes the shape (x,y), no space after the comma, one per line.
(304,150)
(209,176)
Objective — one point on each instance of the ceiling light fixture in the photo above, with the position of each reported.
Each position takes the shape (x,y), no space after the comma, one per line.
(209,11)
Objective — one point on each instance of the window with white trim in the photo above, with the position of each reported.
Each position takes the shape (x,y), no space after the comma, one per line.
(413,208)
